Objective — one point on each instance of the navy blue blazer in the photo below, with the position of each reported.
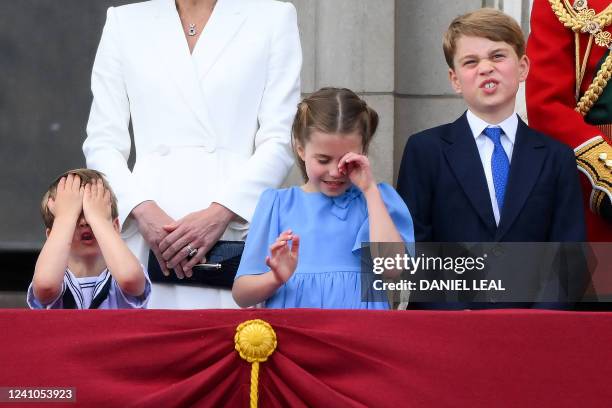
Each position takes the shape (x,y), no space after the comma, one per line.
(442,181)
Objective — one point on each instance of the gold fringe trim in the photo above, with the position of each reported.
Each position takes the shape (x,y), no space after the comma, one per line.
(606,130)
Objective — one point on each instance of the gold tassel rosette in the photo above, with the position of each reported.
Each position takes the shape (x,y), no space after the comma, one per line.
(255,342)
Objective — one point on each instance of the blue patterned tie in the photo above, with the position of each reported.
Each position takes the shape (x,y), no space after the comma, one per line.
(500,165)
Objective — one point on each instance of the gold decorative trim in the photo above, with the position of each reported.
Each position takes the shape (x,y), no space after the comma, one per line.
(581,19)
(597,199)
(255,341)
(596,88)
(606,130)
(580,5)
(594,159)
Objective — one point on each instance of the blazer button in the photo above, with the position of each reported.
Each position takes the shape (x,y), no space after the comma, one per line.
(163,150)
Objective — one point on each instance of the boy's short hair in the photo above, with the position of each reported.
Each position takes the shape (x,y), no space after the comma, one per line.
(486,23)
(87,176)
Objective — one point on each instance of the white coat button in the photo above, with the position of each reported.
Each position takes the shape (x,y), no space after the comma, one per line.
(163,150)
(210,148)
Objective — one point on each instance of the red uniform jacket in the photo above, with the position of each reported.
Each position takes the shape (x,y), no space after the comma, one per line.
(551,99)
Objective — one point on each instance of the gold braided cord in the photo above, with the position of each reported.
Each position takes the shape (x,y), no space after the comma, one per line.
(596,88)
(586,59)
(578,20)
(597,200)
(255,341)
(254,384)
(577,57)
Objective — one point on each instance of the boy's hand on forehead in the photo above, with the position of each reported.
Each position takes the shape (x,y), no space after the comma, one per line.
(357,167)
(96,202)
(68,201)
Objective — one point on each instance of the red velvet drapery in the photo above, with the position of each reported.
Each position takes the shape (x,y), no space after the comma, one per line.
(323,359)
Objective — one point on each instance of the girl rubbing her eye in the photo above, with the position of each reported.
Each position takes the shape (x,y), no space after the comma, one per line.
(304,245)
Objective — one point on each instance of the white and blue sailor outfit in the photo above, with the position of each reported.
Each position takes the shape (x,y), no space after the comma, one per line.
(97,292)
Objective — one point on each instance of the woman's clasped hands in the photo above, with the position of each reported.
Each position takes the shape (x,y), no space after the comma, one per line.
(191,237)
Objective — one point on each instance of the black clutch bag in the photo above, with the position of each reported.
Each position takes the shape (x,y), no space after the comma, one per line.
(219,270)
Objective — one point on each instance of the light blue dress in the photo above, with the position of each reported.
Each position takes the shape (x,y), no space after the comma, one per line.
(331,231)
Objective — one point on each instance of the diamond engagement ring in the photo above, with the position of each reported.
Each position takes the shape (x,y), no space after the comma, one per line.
(192,251)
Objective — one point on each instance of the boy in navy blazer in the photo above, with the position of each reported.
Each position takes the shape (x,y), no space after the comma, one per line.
(488,177)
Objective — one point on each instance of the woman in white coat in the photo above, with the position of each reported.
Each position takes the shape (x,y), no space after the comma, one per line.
(211,88)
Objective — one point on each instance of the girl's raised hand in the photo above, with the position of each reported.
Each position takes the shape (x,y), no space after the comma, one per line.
(357,167)
(283,260)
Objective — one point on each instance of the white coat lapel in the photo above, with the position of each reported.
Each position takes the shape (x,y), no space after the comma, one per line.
(174,56)
(226,20)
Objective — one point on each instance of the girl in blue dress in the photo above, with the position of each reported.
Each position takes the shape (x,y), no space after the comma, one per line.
(304,244)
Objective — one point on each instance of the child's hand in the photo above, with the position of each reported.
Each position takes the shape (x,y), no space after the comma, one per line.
(68,200)
(357,167)
(283,260)
(96,202)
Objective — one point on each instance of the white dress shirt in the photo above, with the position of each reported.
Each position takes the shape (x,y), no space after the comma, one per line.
(485,148)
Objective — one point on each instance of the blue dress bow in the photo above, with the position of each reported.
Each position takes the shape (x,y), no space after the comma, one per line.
(342,203)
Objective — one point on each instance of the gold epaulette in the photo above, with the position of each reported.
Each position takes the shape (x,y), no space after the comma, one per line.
(594,158)
(581,19)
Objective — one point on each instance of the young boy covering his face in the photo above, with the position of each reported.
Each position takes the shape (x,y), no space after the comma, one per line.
(84,264)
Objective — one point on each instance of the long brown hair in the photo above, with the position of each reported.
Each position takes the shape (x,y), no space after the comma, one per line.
(332,110)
